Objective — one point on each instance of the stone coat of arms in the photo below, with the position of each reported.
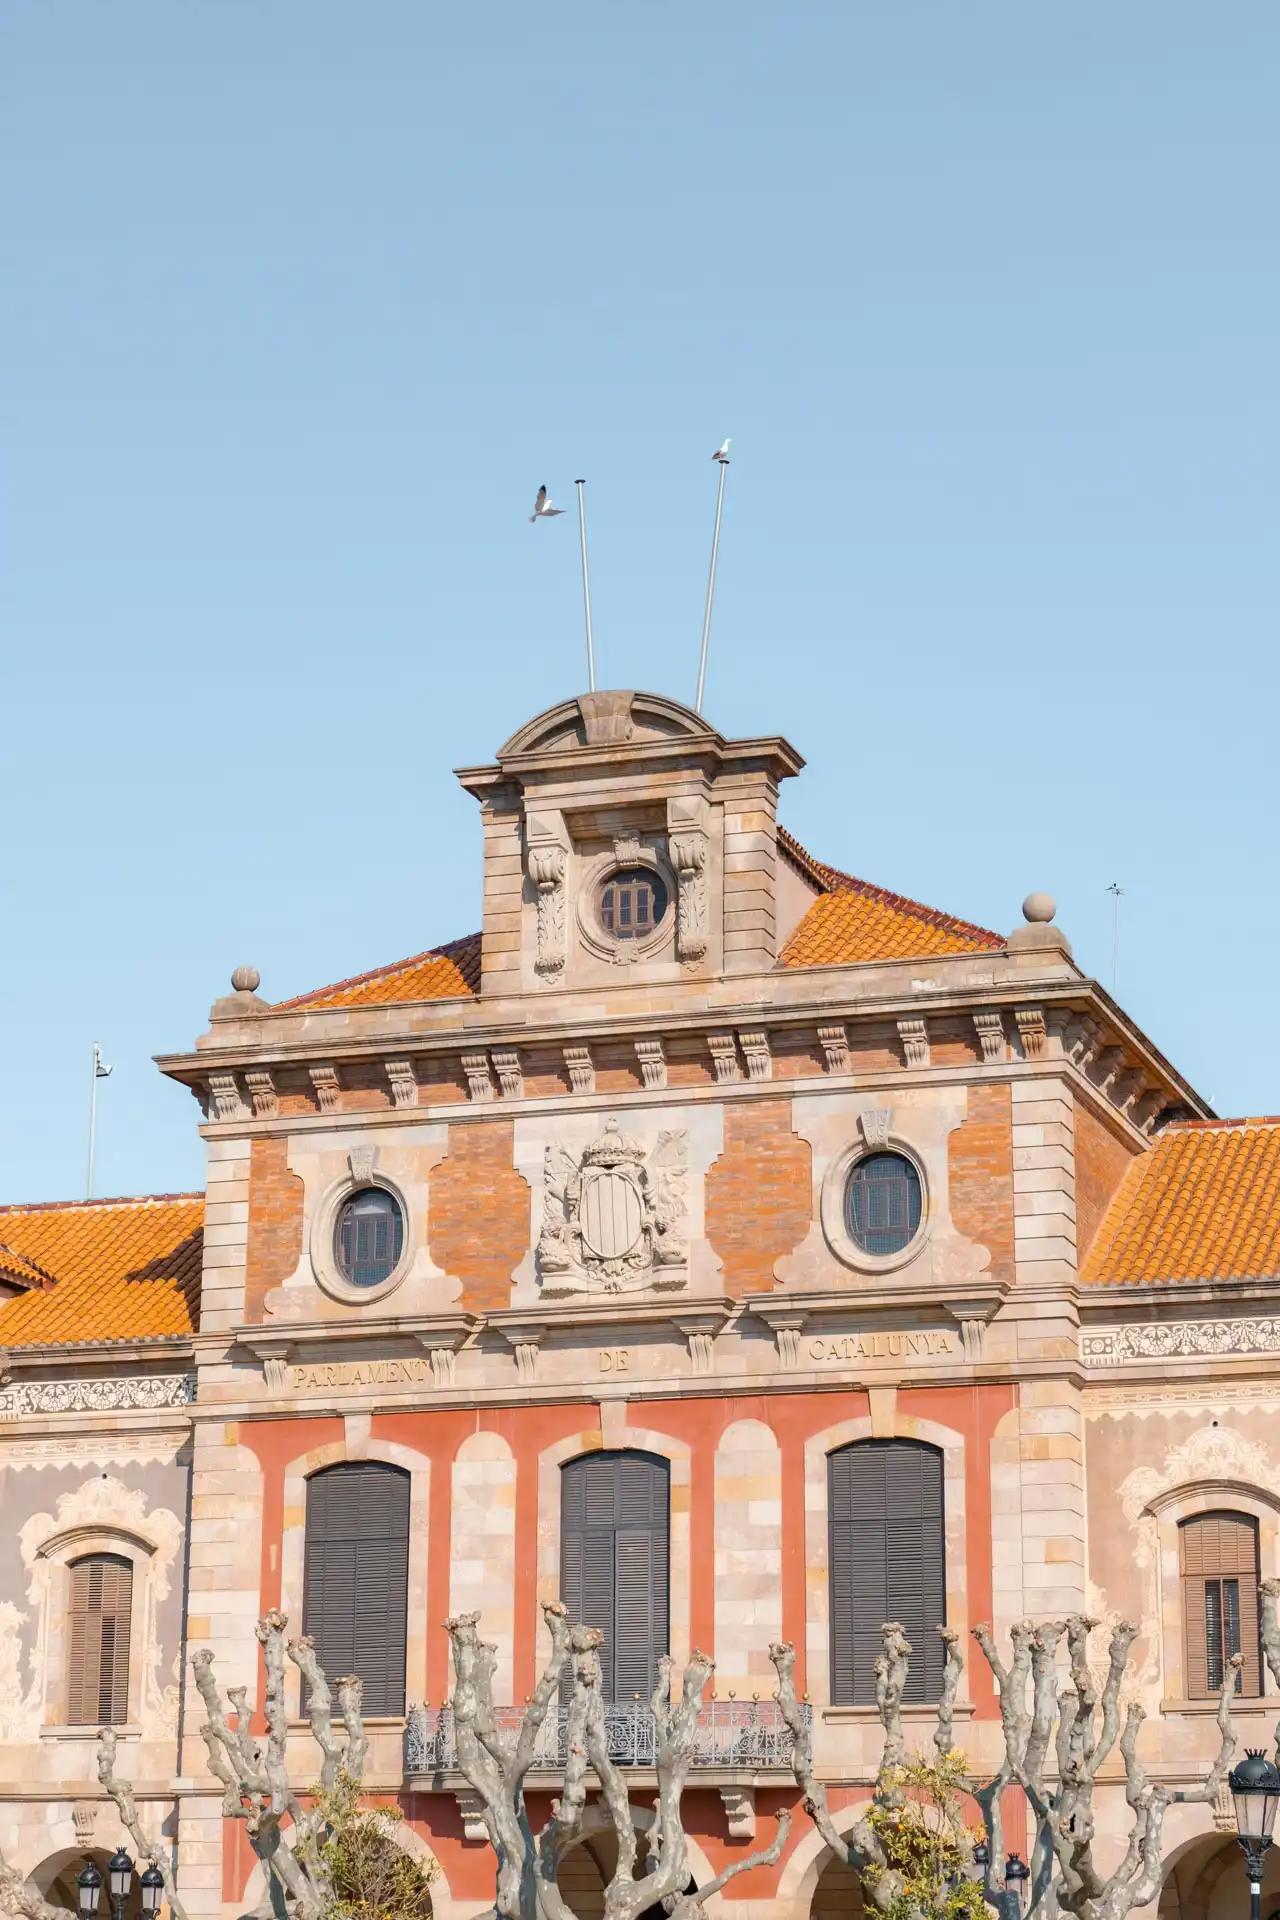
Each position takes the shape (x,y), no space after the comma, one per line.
(614,1219)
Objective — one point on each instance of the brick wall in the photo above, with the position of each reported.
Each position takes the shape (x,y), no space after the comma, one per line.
(479,1215)
(1102,1160)
(980,1160)
(759,1192)
(275,1224)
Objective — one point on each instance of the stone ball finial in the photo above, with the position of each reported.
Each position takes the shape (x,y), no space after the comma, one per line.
(1039,908)
(246,979)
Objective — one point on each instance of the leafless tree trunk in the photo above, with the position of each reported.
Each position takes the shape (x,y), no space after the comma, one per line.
(497,1764)
(254,1772)
(149,1852)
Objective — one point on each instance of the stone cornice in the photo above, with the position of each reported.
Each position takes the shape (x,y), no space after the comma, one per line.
(107,1356)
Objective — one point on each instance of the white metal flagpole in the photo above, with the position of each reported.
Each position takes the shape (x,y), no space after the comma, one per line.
(586,586)
(722,460)
(98,1071)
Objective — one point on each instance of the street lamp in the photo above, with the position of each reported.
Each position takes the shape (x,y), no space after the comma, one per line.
(1255,1789)
(1016,1875)
(88,1889)
(120,1874)
(152,1884)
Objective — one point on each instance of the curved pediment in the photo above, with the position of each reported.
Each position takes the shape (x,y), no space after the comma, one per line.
(622,718)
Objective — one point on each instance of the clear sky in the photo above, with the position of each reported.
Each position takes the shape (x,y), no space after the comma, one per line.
(304,299)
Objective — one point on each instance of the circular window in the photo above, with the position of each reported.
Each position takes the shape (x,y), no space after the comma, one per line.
(882,1203)
(369,1237)
(632,904)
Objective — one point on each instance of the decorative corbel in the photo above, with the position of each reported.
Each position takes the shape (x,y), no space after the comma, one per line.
(225,1101)
(990,1028)
(1149,1108)
(739,1805)
(834,1041)
(724,1057)
(1108,1067)
(755,1051)
(524,1341)
(361,1162)
(1127,1088)
(786,1325)
(700,1332)
(653,1064)
(262,1091)
(547,864)
(471,1808)
(875,1123)
(479,1084)
(324,1084)
(1032,1031)
(275,1373)
(510,1073)
(403,1082)
(914,1035)
(581,1069)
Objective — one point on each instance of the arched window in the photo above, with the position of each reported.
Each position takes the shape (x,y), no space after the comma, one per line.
(886,1562)
(614,1534)
(356,1577)
(1219,1557)
(101,1606)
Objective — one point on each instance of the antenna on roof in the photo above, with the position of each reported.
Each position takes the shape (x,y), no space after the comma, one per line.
(721,457)
(99,1071)
(586,585)
(1117,895)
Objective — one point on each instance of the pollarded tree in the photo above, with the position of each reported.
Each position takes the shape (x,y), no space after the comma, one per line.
(497,1762)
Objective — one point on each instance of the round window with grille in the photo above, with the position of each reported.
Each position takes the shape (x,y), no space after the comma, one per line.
(368,1237)
(632,903)
(883,1203)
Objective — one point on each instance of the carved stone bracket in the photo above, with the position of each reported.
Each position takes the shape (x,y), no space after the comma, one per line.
(834,1041)
(876,1123)
(914,1035)
(700,1332)
(361,1162)
(225,1102)
(581,1069)
(262,1091)
(403,1083)
(739,1811)
(1107,1068)
(547,864)
(510,1073)
(471,1808)
(324,1084)
(755,1051)
(84,1818)
(990,1028)
(689,858)
(275,1372)
(786,1325)
(724,1057)
(1148,1108)
(973,1317)
(1032,1032)
(479,1082)
(524,1341)
(653,1064)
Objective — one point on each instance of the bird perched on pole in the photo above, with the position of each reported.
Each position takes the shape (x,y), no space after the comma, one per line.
(543,509)
(722,454)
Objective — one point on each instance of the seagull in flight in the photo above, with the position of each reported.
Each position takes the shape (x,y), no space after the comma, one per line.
(722,454)
(543,509)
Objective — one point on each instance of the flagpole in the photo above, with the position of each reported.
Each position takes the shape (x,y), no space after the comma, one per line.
(586,586)
(723,463)
(93,1118)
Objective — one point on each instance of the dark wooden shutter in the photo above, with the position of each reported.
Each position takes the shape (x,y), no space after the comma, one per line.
(886,1562)
(101,1608)
(1219,1554)
(614,1562)
(356,1578)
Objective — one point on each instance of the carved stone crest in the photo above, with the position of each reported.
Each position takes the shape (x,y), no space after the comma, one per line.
(614,1219)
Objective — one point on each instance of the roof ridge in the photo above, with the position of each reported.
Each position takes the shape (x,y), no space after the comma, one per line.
(837,880)
(1222,1123)
(443,952)
(104,1200)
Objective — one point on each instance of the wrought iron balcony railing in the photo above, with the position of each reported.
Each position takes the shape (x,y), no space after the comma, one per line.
(742,1734)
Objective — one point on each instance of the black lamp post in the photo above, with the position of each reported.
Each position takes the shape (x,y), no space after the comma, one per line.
(120,1874)
(1016,1875)
(981,1857)
(1255,1789)
(88,1890)
(152,1884)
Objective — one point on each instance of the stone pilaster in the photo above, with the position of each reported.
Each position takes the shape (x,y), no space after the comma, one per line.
(1044,1190)
(226,1235)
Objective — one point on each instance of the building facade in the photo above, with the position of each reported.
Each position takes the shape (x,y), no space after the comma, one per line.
(740,1250)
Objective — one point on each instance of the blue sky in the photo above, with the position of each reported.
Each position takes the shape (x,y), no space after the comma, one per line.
(306,298)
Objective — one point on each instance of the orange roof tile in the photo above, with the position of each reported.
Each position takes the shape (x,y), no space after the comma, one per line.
(1203,1205)
(856,921)
(442,973)
(120,1269)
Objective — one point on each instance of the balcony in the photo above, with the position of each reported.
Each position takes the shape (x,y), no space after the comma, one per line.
(742,1737)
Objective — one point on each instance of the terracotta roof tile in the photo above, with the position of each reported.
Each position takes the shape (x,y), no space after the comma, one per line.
(115,1269)
(856,921)
(1203,1205)
(442,973)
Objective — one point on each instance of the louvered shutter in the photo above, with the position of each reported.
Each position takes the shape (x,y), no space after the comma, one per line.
(356,1577)
(886,1562)
(99,1626)
(1219,1554)
(614,1552)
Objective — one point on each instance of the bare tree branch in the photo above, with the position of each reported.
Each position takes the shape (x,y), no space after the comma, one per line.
(148,1850)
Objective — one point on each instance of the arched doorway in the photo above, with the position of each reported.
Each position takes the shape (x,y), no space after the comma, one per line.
(838,1894)
(1207,1882)
(56,1878)
(587,1868)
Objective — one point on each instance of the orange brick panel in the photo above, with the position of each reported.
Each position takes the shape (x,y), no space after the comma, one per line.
(980,1162)
(1102,1160)
(479,1213)
(759,1192)
(275,1224)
